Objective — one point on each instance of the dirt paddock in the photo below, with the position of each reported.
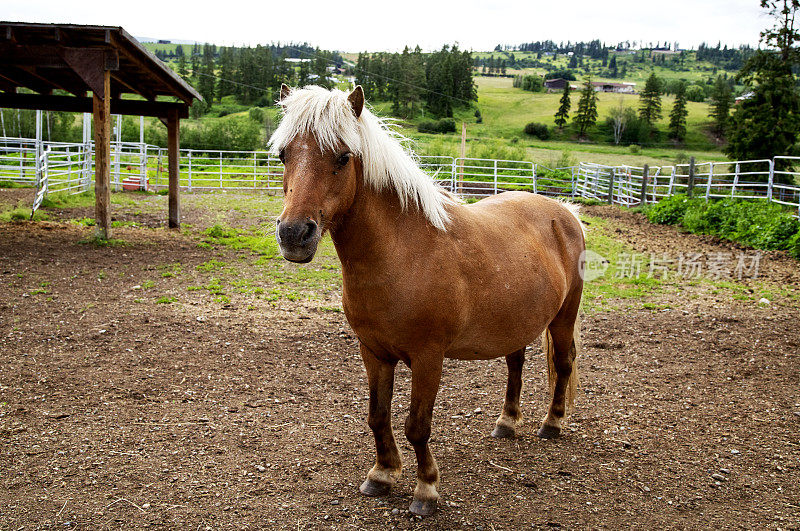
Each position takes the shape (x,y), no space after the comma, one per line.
(130,399)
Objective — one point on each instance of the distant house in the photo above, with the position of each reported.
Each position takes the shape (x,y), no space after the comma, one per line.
(553,85)
(296,60)
(620,88)
(745,96)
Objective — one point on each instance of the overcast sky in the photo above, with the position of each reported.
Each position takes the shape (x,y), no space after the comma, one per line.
(353,26)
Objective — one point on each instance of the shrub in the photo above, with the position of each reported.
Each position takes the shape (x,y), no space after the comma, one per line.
(427,126)
(670,210)
(256,114)
(538,130)
(445,125)
(794,246)
(758,224)
(529,82)
(634,148)
(695,93)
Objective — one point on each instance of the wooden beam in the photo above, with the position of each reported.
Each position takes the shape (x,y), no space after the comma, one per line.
(7,85)
(64,79)
(173,155)
(166,76)
(102,150)
(23,78)
(31,55)
(116,79)
(158,109)
(91,64)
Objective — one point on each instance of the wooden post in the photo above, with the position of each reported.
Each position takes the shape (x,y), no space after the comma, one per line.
(690,187)
(173,157)
(462,155)
(645,178)
(101,109)
(611,175)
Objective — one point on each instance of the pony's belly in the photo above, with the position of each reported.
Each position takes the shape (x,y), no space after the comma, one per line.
(490,345)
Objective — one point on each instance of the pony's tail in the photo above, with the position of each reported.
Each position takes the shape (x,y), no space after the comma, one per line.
(550,353)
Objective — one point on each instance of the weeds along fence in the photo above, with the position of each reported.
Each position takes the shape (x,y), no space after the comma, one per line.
(69,168)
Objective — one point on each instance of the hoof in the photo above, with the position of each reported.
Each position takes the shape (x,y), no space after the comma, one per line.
(503,432)
(423,507)
(548,432)
(373,488)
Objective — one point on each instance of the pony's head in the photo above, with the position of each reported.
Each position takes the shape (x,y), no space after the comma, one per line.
(329,144)
(318,143)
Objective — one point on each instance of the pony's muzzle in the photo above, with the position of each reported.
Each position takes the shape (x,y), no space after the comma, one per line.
(298,239)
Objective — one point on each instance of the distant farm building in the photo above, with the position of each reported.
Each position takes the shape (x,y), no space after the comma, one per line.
(556,85)
(621,88)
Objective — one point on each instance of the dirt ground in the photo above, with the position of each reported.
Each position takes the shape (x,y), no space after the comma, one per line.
(120,411)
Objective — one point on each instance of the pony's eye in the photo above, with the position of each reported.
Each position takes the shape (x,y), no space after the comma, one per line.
(282,156)
(343,159)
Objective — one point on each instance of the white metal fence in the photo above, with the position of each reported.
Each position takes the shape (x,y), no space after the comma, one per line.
(69,168)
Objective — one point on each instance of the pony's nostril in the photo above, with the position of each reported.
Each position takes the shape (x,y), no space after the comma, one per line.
(308,233)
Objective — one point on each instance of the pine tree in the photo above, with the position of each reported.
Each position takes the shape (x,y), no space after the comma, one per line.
(766,124)
(226,72)
(650,100)
(362,74)
(563,110)
(205,84)
(721,103)
(587,108)
(182,66)
(195,64)
(573,61)
(612,67)
(439,81)
(677,117)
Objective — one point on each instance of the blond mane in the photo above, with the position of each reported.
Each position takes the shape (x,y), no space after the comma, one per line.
(387,160)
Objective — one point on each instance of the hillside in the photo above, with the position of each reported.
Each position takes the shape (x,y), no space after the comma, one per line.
(505,110)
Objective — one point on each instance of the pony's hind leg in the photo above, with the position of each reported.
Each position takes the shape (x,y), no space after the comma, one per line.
(388,463)
(511,416)
(561,343)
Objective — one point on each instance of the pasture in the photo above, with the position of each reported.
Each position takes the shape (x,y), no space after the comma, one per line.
(196,379)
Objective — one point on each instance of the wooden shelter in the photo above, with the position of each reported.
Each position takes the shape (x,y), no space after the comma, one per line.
(62,63)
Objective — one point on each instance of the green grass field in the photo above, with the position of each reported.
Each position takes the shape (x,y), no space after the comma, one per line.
(506,110)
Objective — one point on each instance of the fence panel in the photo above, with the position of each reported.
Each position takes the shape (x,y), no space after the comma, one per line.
(69,167)
(484,177)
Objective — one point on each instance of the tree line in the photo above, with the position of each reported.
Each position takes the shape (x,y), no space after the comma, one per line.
(410,79)
(253,75)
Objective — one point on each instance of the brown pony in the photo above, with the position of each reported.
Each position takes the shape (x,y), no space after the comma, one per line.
(425,276)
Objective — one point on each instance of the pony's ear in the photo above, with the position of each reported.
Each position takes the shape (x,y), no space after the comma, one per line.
(285,90)
(356,99)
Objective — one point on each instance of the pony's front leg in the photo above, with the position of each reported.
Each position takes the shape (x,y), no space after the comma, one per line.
(426,373)
(388,463)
